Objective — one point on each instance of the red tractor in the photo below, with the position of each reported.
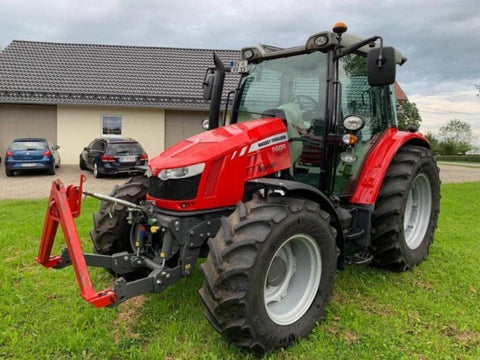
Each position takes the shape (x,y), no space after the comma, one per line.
(311,173)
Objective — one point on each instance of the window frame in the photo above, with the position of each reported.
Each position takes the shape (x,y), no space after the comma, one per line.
(111,117)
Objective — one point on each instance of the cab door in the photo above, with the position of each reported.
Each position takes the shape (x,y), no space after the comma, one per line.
(370,103)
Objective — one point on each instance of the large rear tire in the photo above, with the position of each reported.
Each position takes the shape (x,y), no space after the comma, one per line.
(406,211)
(111,231)
(270,272)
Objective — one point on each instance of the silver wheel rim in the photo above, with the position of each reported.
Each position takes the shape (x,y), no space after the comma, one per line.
(292,279)
(95,170)
(417,211)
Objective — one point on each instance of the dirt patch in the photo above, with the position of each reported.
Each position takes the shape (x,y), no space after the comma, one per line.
(126,320)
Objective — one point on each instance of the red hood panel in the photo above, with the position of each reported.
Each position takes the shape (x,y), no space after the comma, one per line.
(216,143)
(232,155)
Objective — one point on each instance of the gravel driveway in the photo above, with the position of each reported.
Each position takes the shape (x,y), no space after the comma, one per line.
(37,185)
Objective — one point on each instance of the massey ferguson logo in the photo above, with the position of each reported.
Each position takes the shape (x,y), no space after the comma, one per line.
(272,140)
(278,148)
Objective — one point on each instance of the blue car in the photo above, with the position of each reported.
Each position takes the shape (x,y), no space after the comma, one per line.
(32,154)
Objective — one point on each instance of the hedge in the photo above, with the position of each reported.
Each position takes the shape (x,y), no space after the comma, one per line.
(463,158)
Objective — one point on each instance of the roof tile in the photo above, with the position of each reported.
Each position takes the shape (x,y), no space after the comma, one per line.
(45,72)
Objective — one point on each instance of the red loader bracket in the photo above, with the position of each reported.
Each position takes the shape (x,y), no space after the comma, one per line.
(63,206)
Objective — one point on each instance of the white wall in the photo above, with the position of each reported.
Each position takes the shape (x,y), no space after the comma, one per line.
(77,126)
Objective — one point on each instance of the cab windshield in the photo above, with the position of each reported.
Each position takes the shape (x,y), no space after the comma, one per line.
(294,89)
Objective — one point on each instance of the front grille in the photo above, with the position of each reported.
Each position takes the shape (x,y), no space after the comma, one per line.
(174,189)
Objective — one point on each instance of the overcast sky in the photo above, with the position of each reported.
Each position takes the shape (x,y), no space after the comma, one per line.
(440,38)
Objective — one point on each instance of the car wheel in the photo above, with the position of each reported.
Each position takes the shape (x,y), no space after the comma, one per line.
(96,172)
(8,172)
(82,164)
(51,171)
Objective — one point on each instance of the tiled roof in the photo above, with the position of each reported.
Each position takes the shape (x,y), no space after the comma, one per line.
(399,93)
(55,73)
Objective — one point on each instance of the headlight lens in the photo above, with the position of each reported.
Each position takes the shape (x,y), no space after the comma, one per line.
(320,41)
(181,172)
(348,157)
(353,123)
(248,54)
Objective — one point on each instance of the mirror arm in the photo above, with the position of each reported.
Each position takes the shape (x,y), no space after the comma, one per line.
(350,49)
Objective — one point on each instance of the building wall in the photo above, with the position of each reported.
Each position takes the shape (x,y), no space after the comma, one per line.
(77,126)
(181,124)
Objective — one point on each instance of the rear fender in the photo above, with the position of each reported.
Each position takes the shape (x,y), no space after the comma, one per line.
(378,161)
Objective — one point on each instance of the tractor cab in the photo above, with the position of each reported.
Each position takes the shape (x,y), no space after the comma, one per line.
(334,104)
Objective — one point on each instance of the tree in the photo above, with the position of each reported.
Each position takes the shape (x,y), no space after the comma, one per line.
(408,114)
(434,143)
(456,137)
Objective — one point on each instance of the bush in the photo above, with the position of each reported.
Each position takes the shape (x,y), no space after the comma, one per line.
(463,158)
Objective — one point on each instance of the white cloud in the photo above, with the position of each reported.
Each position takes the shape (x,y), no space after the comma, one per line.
(436,110)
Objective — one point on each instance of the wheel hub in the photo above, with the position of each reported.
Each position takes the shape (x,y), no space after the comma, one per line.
(417,211)
(278,272)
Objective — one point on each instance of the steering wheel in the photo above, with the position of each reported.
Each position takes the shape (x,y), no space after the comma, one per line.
(307,103)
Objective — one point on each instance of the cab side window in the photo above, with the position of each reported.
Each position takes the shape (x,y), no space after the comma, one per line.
(359,98)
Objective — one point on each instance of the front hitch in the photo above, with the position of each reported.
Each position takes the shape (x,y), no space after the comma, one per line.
(63,206)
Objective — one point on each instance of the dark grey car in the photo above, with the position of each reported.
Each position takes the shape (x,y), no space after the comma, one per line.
(110,156)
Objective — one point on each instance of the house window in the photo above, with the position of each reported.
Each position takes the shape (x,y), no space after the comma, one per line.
(111,125)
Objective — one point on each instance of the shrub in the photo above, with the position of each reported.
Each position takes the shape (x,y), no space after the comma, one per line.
(463,158)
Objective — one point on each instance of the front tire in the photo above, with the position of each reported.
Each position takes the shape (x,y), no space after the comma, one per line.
(270,272)
(111,231)
(406,211)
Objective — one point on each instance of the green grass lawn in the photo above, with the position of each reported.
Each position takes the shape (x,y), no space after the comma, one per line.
(432,312)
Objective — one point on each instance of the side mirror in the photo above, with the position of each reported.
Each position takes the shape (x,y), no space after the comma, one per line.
(381,66)
(208,86)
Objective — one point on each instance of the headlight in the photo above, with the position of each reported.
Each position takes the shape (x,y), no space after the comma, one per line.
(348,157)
(320,41)
(248,54)
(353,122)
(181,172)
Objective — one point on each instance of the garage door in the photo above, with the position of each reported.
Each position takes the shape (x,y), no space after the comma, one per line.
(27,121)
(182,124)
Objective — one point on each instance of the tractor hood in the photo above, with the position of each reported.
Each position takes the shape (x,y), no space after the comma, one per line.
(209,170)
(236,140)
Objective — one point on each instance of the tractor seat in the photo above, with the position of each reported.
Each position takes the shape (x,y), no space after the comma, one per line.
(296,147)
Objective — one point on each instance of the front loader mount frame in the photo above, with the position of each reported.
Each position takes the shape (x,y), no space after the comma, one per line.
(63,206)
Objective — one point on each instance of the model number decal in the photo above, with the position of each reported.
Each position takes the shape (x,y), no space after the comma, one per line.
(272,140)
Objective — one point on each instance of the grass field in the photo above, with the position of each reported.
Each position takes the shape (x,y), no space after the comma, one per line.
(431,312)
